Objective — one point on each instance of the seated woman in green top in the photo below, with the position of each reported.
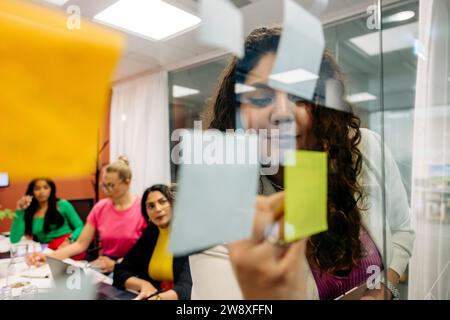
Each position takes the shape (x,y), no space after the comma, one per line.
(42,217)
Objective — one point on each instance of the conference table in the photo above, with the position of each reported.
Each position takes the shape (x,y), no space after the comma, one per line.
(18,281)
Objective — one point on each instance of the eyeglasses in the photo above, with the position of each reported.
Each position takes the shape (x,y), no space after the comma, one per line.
(110,186)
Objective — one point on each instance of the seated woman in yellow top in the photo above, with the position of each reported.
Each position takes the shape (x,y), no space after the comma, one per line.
(149,266)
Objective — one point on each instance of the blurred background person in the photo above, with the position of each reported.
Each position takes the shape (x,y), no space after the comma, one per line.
(117,220)
(42,217)
(149,267)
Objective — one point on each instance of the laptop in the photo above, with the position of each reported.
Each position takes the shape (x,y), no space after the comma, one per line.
(57,267)
(70,282)
(108,292)
(102,291)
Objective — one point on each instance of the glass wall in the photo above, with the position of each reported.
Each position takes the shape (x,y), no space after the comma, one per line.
(357,50)
(190,91)
(384,98)
(430,264)
(399,88)
(346,113)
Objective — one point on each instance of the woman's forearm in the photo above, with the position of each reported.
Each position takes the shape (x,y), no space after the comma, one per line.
(135,284)
(69,251)
(169,295)
(383,293)
(78,246)
(393,277)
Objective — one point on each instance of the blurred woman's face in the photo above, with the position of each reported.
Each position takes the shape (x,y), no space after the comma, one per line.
(41,191)
(159,209)
(113,186)
(267,108)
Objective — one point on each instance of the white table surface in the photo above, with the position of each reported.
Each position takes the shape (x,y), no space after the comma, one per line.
(21,272)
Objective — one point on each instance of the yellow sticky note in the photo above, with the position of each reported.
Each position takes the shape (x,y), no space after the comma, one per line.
(306,195)
(55,80)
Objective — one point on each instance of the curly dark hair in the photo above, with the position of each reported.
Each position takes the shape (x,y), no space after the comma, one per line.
(337,250)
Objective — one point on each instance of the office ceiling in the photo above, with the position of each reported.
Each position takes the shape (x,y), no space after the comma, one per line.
(362,70)
(142,55)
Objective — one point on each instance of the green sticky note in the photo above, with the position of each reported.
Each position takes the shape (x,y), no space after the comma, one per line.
(306,187)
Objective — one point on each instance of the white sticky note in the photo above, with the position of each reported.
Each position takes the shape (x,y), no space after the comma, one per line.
(299,54)
(222,26)
(215,198)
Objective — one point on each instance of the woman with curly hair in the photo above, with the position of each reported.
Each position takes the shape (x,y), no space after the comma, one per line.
(328,264)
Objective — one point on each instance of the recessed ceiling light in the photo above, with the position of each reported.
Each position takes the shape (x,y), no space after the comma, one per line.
(361,97)
(294,76)
(399,16)
(155,19)
(397,38)
(179,91)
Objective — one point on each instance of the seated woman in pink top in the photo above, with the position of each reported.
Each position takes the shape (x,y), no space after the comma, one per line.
(117,219)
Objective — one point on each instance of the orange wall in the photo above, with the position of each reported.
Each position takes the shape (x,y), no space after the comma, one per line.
(66,188)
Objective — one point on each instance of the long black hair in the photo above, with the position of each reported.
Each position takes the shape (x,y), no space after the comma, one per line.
(53,218)
(167,192)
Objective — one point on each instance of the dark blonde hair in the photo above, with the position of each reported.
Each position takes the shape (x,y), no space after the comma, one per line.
(338,249)
(122,167)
